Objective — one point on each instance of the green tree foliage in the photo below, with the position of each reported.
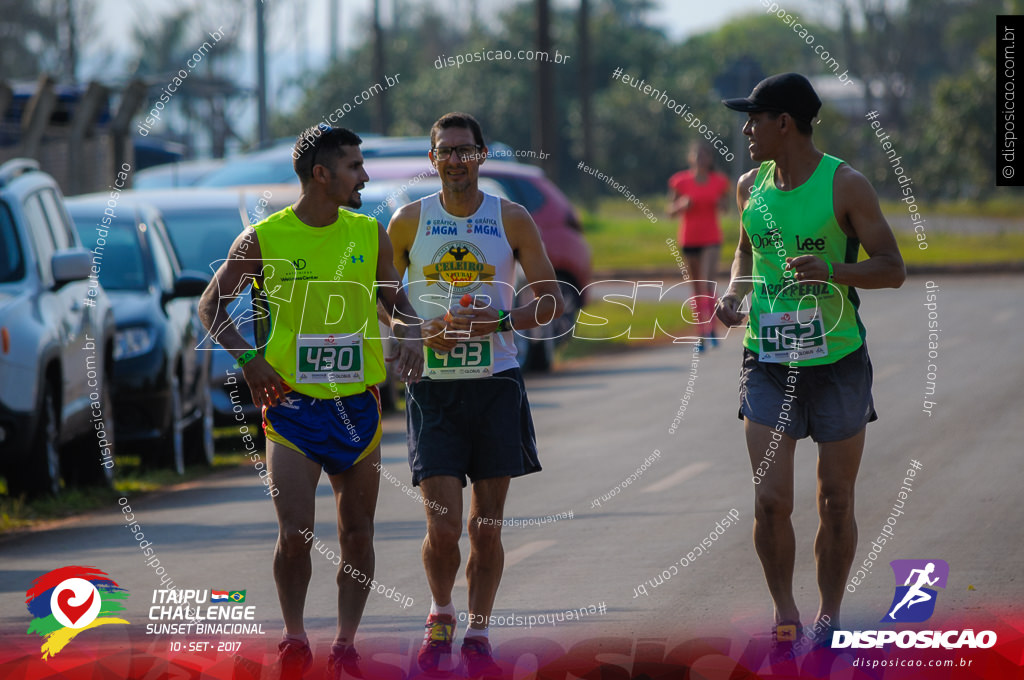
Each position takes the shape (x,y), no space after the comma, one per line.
(929,63)
(28,38)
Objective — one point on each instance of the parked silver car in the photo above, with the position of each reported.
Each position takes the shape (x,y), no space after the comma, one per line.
(56,343)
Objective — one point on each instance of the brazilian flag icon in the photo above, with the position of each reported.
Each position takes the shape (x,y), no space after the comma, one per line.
(237,596)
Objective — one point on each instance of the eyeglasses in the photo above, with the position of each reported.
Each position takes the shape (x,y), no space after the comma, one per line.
(325,130)
(464,152)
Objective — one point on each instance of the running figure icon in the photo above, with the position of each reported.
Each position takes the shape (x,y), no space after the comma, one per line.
(917,583)
(916,595)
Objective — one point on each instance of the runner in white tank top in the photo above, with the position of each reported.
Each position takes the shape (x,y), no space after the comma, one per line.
(469,416)
(453,256)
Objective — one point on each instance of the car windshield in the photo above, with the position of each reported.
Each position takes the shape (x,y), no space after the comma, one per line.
(200,238)
(12,266)
(120,258)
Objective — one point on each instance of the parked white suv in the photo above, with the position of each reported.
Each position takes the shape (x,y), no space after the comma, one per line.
(56,343)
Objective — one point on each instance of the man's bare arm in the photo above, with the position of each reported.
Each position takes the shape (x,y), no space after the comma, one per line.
(406,324)
(547,305)
(245,261)
(395,301)
(524,237)
(402,233)
(742,262)
(858,214)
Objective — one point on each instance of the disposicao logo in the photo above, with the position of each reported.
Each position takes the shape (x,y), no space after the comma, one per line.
(926,576)
(914,602)
(69,600)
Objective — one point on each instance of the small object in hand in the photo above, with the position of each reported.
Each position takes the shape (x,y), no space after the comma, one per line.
(465,301)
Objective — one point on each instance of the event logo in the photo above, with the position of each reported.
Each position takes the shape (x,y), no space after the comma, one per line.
(914,601)
(66,601)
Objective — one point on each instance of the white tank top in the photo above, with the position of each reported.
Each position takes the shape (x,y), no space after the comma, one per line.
(452,256)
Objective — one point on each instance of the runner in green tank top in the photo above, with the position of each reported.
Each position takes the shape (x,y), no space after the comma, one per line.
(314,267)
(806,369)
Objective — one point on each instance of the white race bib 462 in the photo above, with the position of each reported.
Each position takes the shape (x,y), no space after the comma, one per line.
(791,336)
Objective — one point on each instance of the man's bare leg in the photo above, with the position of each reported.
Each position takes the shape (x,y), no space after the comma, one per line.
(441,556)
(355,495)
(773,506)
(486,554)
(295,476)
(836,542)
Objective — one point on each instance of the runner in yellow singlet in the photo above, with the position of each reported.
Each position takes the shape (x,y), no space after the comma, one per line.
(314,268)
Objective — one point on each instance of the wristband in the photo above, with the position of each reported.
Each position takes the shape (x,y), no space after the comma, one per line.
(831,274)
(245,358)
(504,321)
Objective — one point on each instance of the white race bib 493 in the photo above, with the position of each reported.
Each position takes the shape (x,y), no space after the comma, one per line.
(471,358)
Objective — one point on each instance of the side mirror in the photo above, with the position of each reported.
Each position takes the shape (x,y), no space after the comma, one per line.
(70,265)
(188,284)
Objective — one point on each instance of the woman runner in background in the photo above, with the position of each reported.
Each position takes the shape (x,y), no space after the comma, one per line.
(698,194)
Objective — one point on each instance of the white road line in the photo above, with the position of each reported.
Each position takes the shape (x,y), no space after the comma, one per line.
(688,472)
(513,557)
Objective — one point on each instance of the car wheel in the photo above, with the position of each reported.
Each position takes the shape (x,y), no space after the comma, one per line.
(87,461)
(200,445)
(171,448)
(40,473)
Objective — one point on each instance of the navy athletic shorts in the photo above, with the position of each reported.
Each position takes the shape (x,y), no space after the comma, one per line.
(477,427)
(336,433)
(830,402)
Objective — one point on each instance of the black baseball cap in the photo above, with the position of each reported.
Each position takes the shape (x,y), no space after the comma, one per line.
(782,93)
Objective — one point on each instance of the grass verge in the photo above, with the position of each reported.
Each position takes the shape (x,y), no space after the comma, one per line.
(130,478)
(621,238)
(649,323)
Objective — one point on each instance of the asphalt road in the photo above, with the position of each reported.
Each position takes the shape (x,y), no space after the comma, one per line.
(597,421)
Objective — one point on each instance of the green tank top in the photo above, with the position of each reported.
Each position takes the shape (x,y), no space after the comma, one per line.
(316,314)
(802,323)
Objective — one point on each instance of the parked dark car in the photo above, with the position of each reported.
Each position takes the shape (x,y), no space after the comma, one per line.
(161,375)
(56,343)
(202,224)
